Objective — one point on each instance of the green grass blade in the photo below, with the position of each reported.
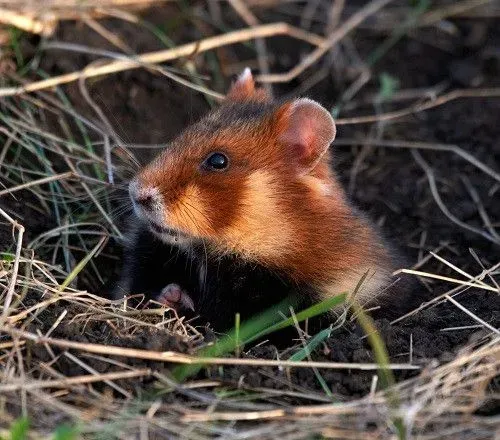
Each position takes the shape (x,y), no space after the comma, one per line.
(306,351)
(237,334)
(382,359)
(311,345)
(19,429)
(66,432)
(310,312)
(79,267)
(257,327)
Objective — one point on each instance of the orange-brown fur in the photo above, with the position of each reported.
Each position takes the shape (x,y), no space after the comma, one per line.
(262,209)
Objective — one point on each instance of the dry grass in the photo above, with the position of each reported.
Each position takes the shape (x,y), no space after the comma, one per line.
(71,168)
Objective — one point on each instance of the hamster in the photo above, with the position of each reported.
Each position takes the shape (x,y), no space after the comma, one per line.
(247,197)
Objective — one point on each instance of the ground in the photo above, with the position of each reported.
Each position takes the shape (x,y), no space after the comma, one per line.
(382,174)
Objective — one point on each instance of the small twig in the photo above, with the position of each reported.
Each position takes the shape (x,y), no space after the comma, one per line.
(103,32)
(416,108)
(43,25)
(56,323)
(457,269)
(443,278)
(62,176)
(64,229)
(308,12)
(86,95)
(75,9)
(334,15)
(462,327)
(10,344)
(95,373)
(472,315)
(440,298)
(72,381)
(478,260)
(437,198)
(455,8)
(480,207)
(423,238)
(186,50)
(174,357)
(394,143)
(118,56)
(107,148)
(339,33)
(402,95)
(13,280)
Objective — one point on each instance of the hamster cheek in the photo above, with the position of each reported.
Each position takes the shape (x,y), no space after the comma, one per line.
(189,213)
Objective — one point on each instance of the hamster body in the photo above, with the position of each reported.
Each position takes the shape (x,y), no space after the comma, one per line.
(249,188)
(219,286)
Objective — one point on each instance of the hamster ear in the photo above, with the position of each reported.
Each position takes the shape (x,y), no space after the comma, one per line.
(243,89)
(307,129)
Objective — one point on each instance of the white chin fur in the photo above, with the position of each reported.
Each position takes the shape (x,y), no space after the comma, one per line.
(180,240)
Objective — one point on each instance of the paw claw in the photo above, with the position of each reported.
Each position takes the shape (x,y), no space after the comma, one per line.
(174,297)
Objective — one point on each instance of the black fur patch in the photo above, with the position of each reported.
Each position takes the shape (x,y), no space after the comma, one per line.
(229,287)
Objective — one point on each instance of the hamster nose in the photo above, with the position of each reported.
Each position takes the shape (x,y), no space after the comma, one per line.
(146,201)
(145,197)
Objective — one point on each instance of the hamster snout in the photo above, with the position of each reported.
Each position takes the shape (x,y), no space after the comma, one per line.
(147,203)
(149,207)
(146,200)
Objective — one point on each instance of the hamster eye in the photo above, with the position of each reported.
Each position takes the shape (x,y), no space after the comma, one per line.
(216,162)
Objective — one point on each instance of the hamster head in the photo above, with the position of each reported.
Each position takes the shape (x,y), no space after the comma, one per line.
(236,178)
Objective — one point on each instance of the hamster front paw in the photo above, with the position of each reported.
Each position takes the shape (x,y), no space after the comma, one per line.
(174,297)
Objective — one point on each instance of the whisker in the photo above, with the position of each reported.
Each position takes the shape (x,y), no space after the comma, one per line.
(188,206)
